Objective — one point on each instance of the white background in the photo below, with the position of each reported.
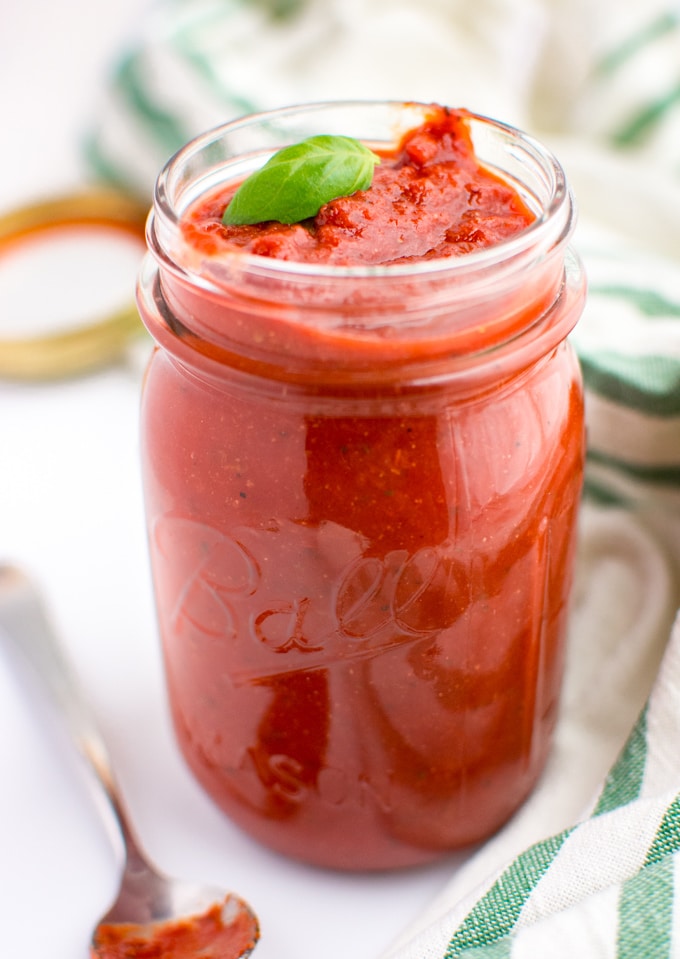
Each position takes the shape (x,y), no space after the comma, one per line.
(71,516)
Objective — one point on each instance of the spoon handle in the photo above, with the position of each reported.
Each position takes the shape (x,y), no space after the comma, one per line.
(24,625)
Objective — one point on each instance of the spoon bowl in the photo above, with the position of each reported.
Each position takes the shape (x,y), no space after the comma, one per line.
(154,916)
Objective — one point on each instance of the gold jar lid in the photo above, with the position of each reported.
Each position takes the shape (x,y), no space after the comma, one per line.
(81,346)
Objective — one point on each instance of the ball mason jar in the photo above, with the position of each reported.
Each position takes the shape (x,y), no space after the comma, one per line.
(361,486)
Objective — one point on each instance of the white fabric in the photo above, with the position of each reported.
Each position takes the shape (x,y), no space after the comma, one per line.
(600,83)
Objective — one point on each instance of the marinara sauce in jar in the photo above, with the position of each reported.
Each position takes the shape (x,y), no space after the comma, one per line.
(362,455)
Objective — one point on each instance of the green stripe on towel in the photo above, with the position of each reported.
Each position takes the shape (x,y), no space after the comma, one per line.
(646,913)
(496,913)
(646,904)
(624,782)
(658,475)
(647,301)
(667,839)
(642,123)
(668,21)
(649,384)
(165,128)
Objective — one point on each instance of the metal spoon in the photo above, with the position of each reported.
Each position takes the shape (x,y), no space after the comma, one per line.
(159,915)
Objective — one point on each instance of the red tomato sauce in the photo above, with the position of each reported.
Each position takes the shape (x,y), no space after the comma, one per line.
(363,588)
(208,936)
(429,198)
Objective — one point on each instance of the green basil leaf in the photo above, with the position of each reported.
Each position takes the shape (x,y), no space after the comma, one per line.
(296,182)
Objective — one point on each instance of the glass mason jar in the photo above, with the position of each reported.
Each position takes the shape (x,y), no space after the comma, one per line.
(361,487)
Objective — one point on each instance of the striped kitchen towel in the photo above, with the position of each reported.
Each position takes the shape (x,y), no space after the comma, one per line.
(600,82)
(601,887)
(587,866)
(606,73)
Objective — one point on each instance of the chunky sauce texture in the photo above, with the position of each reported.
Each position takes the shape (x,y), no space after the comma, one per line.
(429,198)
(363,594)
(210,935)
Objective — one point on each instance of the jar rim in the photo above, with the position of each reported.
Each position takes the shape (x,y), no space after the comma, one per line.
(551,227)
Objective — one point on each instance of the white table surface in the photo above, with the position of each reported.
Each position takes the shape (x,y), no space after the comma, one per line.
(71,515)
